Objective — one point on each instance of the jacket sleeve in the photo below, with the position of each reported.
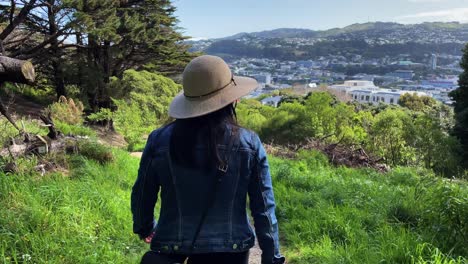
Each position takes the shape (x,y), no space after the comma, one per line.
(145,192)
(262,206)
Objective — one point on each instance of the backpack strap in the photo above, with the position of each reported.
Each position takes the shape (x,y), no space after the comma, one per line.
(220,172)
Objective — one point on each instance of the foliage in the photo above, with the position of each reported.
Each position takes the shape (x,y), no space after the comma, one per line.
(399,135)
(326,214)
(80,217)
(415,102)
(95,151)
(7,131)
(340,215)
(110,36)
(74,130)
(66,111)
(460,96)
(42,94)
(144,106)
(388,136)
(279,49)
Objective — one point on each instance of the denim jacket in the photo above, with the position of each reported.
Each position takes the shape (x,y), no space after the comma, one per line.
(184,193)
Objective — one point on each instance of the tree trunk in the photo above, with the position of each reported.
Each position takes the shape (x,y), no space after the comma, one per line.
(56,64)
(18,71)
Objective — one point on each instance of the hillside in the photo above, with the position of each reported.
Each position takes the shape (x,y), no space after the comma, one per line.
(326,214)
(375,29)
(371,40)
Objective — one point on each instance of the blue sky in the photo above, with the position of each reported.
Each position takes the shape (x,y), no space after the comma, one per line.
(220,18)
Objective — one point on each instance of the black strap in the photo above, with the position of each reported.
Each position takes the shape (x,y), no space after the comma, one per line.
(220,172)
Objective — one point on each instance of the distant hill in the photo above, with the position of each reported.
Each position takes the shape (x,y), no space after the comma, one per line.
(371,40)
(372,28)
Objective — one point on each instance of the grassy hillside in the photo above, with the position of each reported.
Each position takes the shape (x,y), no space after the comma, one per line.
(327,215)
(341,215)
(82,217)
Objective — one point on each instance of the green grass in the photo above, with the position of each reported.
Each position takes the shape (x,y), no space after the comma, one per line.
(326,215)
(83,217)
(341,215)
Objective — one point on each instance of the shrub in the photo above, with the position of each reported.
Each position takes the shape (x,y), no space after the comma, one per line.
(95,151)
(66,110)
(142,100)
(76,130)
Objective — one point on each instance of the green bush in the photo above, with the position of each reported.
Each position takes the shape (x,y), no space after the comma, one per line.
(398,135)
(142,99)
(95,151)
(66,111)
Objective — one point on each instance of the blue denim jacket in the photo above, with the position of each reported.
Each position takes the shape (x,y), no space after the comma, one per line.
(184,193)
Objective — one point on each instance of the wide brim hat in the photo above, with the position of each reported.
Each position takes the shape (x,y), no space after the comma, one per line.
(208,85)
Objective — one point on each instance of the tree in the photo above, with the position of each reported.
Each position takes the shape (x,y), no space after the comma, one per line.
(38,32)
(388,136)
(86,42)
(415,102)
(460,96)
(120,35)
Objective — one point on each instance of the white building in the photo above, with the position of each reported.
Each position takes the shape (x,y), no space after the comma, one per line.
(433,62)
(272,101)
(367,92)
(355,84)
(264,78)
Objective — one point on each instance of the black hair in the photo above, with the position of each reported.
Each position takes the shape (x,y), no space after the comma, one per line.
(210,129)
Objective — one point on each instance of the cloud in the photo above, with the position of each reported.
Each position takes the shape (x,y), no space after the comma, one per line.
(447,15)
(198,38)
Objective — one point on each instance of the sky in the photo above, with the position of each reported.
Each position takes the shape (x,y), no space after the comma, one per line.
(221,18)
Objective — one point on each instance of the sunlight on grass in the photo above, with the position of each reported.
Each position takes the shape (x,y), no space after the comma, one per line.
(326,214)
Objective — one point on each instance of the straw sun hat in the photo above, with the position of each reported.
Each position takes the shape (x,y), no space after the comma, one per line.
(208,86)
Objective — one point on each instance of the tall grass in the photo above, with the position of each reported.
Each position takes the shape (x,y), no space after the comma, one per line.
(82,217)
(326,214)
(342,215)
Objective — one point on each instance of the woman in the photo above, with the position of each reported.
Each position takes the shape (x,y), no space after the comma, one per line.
(205,166)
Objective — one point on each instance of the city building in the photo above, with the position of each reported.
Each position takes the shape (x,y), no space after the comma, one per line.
(367,92)
(355,84)
(403,74)
(264,78)
(441,83)
(433,62)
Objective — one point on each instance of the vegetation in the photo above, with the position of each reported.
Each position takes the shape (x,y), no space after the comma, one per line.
(109,37)
(81,216)
(269,49)
(461,108)
(414,135)
(326,214)
(78,210)
(343,215)
(143,108)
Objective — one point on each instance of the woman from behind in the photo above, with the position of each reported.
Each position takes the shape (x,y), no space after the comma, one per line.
(204,166)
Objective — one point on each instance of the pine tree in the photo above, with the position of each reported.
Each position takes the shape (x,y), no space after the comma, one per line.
(460,96)
(122,35)
(86,42)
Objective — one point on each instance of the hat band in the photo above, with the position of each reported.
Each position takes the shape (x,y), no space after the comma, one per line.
(212,92)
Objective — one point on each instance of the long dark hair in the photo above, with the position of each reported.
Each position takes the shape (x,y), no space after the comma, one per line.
(210,129)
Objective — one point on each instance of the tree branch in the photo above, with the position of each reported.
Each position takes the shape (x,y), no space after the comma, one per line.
(18,19)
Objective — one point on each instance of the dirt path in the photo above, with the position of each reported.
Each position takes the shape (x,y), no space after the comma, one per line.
(255,252)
